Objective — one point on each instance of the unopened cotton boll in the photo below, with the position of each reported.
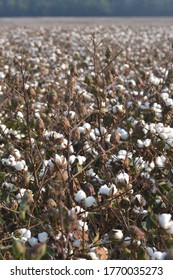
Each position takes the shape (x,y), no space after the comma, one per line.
(80,195)
(33,241)
(42,237)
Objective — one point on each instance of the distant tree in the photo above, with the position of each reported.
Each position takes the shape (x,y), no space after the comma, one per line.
(86,8)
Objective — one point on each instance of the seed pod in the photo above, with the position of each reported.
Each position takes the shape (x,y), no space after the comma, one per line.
(169,255)
(108,53)
(115,137)
(52,97)
(73,70)
(136,233)
(31,92)
(18,249)
(39,126)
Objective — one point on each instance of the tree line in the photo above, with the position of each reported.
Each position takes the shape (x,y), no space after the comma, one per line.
(86,8)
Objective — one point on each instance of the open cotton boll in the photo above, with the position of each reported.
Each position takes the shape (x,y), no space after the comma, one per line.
(140,143)
(77,243)
(123,133)
(164,220)
(104,190)
(81,159)
(93,256)
(164,95)
(158,255)
(160,161)
(80,195)
(117,234)
(72,159)
(154,80)
(147,142)
(122,178)
(26,234)
(42,237)
(87,127)
(170,230)
(33,241)
(57,159)
(17,154)
(82,225)
(92,136)
(19,165)
(89,201)
(21,234)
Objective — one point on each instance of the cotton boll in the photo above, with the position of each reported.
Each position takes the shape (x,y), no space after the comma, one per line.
(80,195)
(164,220)
(77,243)
(163,135)
(93,256)
(160,161)
(117,234)
(81,159)
(147,142)
(87,127)
(42,237)
(140,143)
(17,154)
(169,102)
(104,190)
(170,230)
(122,178)
(21,234)
(57,159)
(81,129)
(123,133)
(19,165)
(164,95)
(82,225)
(26,234)
(92,136)
(89,201)
(33,241)
(127,240)
(112,190)
(158,255)
(154,80)
(72,159)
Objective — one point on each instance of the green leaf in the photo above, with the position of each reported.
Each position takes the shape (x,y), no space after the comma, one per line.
(2,176)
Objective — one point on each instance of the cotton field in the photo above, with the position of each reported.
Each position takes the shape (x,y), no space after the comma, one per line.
(86,142)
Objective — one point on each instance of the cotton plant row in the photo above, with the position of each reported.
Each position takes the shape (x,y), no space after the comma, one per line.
(86,151)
